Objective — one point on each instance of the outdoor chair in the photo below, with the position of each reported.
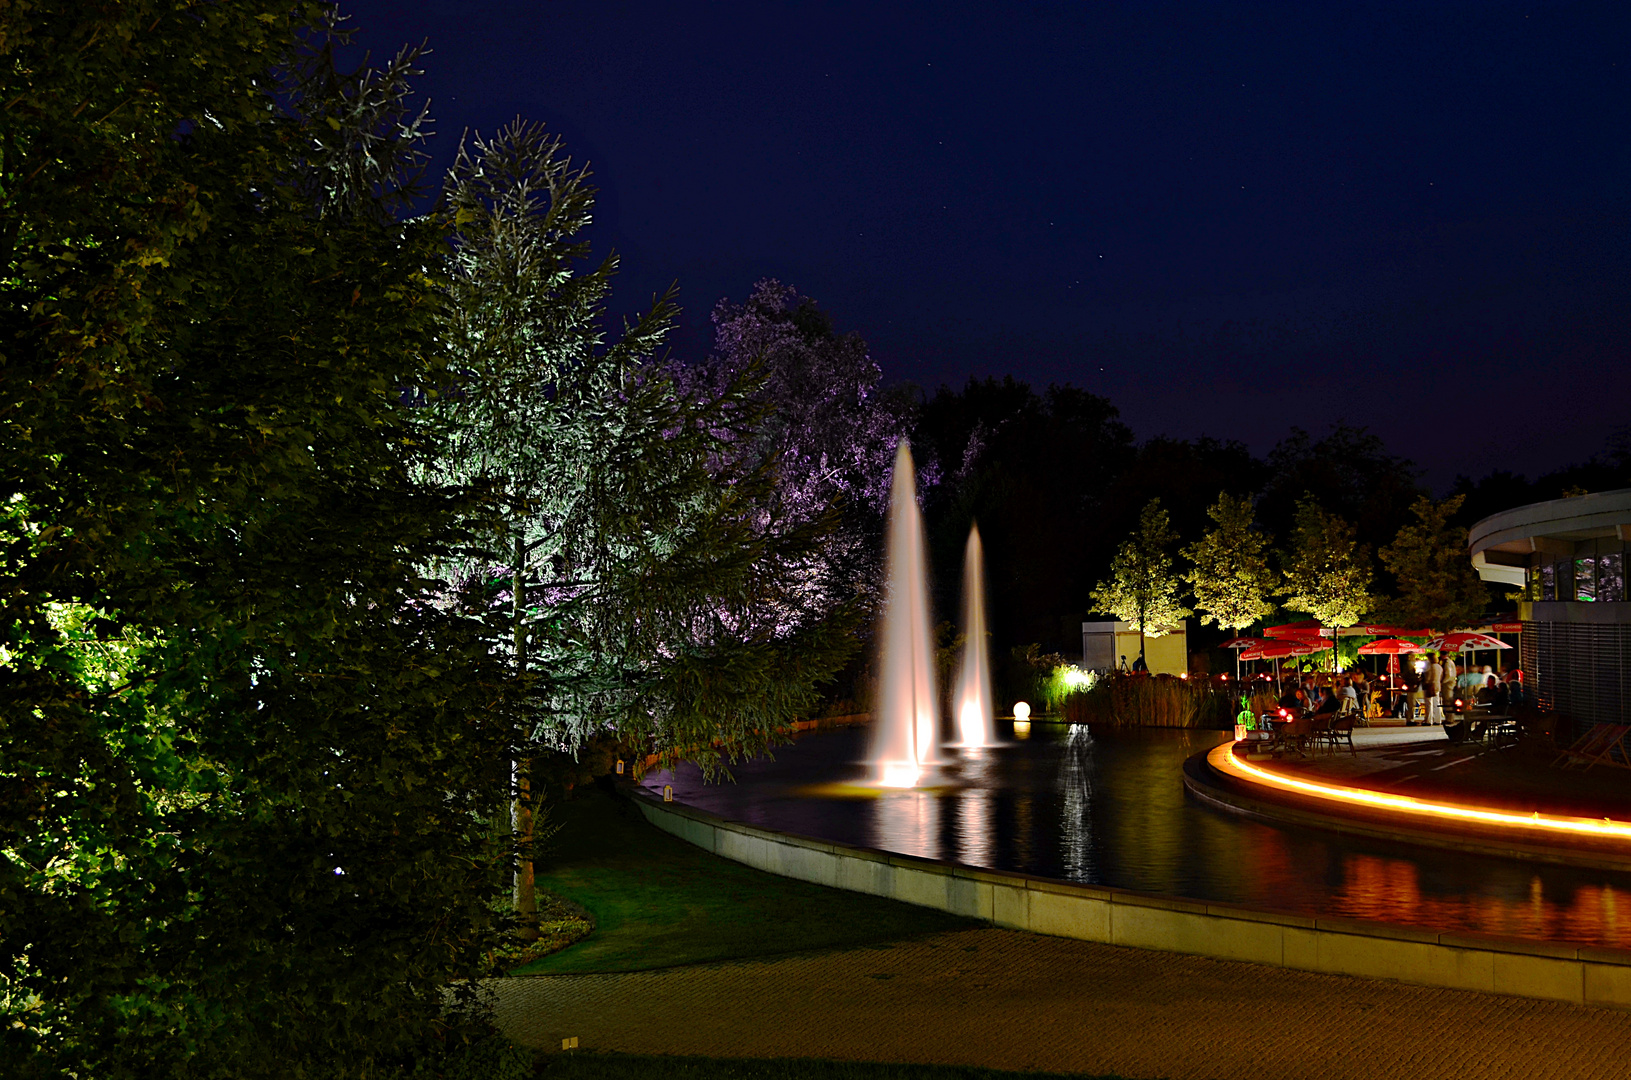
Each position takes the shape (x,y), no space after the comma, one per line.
(1341,731)
(1597,746)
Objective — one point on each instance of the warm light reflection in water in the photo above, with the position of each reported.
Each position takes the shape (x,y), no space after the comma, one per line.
(1108,807)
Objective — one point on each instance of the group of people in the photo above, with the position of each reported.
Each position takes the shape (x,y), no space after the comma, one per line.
(1429,698)
(1309,698)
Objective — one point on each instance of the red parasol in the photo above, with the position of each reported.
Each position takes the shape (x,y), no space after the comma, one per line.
(1389,647)
(1308,628)
(1275,650)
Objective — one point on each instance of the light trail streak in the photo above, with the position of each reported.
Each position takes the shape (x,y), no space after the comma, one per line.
(1224,760)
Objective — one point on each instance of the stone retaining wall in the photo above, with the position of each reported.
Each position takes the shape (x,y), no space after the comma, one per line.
(1580,974)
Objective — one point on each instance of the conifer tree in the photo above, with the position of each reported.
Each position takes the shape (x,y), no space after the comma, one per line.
(654,583)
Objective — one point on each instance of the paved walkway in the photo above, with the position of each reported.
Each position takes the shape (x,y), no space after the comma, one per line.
(1005,999)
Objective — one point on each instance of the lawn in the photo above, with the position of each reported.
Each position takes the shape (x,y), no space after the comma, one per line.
(633,1066)
(660,902)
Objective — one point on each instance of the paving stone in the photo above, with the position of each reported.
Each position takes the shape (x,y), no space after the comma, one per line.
(1006,999)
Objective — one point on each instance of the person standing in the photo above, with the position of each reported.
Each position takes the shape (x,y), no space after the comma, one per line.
(1450,686)
(1432,681)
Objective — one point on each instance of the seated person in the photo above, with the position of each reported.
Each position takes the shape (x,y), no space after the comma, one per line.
(1326,703)
(1486,692)
(1292,701)
(1500,696)
(1347,696)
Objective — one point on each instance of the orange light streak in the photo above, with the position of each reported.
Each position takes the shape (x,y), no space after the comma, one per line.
(1224,760)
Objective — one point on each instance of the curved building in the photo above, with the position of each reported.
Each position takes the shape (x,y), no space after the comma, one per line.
(1567,558)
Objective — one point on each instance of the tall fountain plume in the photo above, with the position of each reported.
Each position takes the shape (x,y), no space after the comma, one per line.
(973,700)
(906,729)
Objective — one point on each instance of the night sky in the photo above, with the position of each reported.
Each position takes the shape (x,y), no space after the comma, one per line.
(1227,219)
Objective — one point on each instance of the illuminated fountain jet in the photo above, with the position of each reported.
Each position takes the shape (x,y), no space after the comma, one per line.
(972,700)
(906,728)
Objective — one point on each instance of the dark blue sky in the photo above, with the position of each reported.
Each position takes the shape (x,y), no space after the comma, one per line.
(1227,218)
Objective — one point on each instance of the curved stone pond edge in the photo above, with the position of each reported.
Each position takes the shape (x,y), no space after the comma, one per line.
(1248,799)
(1557,972)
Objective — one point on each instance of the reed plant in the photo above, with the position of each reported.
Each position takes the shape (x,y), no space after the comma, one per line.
(1141,700)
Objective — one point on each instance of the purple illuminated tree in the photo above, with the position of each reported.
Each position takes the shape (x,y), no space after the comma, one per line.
(827,432)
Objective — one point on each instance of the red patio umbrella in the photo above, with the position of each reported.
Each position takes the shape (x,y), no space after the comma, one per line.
(1389,647)
(1307,628)
(1392,648)
(1275,650)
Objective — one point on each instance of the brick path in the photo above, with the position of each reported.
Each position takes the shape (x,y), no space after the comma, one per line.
(1006,999)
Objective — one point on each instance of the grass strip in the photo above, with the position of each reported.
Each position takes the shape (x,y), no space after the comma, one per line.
(660,902)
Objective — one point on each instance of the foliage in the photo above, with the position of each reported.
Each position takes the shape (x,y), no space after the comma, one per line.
(241,753)
(662,585)
(1142,588)
(1033,469)
(828,431)
(1023,674)
(1327,572)
(1230,574)
(1435,581)
(1063,681)
(1355,476)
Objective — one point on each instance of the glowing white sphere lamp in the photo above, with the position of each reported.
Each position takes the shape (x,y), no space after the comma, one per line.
(1022,711)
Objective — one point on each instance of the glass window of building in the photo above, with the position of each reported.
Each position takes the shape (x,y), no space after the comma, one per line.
(1548,582)
(1585,578)
(1611,578)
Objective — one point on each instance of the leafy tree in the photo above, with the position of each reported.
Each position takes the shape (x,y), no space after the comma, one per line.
(656,580)
(244,758)
(1437,585)
(1033,469)
(1328,573)
(829,430)
(1231,576)
(1358,480)
(1142,588)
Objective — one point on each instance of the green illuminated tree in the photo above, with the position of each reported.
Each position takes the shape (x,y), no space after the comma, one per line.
(246,747)
(1230,573)
(1328,573)
(655,586)
(1142,588)
(1437,585)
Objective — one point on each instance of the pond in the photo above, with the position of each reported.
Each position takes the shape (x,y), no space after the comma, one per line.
(1108,807)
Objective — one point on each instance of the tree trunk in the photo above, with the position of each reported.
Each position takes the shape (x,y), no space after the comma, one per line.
(526,897)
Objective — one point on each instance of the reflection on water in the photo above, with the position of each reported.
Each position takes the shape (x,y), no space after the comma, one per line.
(1108,807)
(1076,805)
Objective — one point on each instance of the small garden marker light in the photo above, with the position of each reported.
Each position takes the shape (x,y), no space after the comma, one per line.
(668,793)
(620,766)
(569,1044)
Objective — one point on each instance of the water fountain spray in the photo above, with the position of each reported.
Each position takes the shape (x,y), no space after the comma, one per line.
(973,702)
(906,728)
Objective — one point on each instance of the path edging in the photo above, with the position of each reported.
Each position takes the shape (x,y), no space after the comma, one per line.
(1557,972)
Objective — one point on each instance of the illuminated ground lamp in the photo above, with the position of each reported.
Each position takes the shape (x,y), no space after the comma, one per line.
(1022,720)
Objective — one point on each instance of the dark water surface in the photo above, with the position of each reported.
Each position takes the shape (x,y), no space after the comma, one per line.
(1108,807)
